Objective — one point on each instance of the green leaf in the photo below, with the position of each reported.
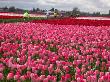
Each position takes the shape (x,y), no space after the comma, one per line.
(46,72)
(58,77)
(6,71)
(27,80)
(24,71)
(53,49)
(71,59)
(1,55)
(39,72)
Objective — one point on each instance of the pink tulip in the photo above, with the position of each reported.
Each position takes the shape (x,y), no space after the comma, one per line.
(78,79)
(96,72)
(1,68)
(101,79)
(57,70)
(23,78)
(67,76)
(97,63)
(45,80)
(83,70)
(66,68)
(89,78)
(10,76)
(109,69)
(101,74)
(42,77)
(1,76)
(78,62)
(16,77)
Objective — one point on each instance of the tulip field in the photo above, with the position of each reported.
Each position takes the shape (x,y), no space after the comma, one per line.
(13,17)
(55,50)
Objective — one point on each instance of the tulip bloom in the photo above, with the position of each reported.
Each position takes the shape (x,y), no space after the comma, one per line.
(10,76)
(1,76)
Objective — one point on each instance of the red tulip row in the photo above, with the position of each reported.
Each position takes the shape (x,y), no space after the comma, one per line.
(72,21)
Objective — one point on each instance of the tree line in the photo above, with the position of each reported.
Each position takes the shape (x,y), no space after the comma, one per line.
(74,12)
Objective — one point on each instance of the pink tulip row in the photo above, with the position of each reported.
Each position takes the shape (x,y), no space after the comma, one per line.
(7,15)
(10,17)
(40,52)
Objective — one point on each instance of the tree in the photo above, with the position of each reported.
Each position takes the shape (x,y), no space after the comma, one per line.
(52,9)
(34,10)
(12,9)
(37,9)
(75,11)
(96,14)
(5,8)
(109,12)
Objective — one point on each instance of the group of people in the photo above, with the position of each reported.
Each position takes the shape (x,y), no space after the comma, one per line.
(53,14)
(26,14)
(48,15)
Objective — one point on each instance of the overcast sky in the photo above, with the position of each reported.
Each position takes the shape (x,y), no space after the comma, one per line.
(102,6)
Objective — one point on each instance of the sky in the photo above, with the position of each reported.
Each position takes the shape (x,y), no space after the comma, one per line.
(102,6)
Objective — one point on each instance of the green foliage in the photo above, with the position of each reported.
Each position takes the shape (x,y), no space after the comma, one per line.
(24,71)
(46,72)
(72,72)
(5,80)
(71,59)
(80,66)
(39,72)
(25,19)
(1,55)
(52,49)
(6,71)
(58,77)
(35,57)
(27,80)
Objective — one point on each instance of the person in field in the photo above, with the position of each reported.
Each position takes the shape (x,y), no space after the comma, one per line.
(26,15)
(47,14)
(55,14)
(61,14)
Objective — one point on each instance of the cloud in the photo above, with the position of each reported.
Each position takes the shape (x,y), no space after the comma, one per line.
(84,5)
